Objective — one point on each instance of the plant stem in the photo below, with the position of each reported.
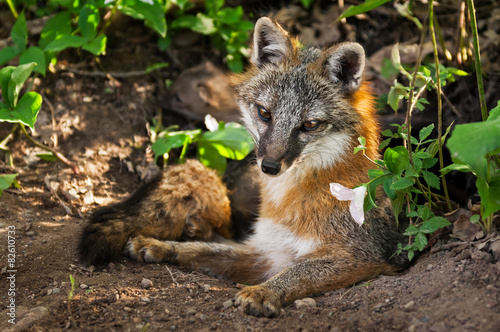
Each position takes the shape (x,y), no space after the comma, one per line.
(59,155)
(439,99)
(477,59)
(12,9)
(108,21)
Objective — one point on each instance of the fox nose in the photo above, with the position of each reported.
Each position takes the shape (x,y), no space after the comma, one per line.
(270,166)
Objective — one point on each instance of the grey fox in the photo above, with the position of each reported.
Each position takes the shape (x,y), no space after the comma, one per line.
(305,108)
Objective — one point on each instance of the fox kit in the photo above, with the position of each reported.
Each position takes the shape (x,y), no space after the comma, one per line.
(185,202)
(305,108)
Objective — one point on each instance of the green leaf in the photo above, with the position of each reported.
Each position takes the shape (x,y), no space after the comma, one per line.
(387,188)
(457,72)
(8,53)
(199,23)
(396,159)
(210,157)
(235,62)
(5,75)
(433,224)
(47,156)
(397,205)
(471,144)
(152,13)
(411,254)
(19,75)
(364,7)
(494,113)
(19,33)
(433,148)
(6,181)
(88,20)
(490,195)
(26,110)
(425,132)
(411,230)
(34,54)
(58,25)
(384,143)
(166,143)
(429,162)
(402,183)
(63,42)
(232,142)
(97,45)
(456,167)
(306,3)
(230,15)
(420,241)
(432,179)
(394,97)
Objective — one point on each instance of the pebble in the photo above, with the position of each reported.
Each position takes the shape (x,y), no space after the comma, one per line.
(190,312)
(206,287)
(203,317)
(53,291)
(30,233)
(305,303)
(228,304)
(146,283)
(83,286)
(127,309)
(145,299)
(479,255)
(409,305)
(430,267)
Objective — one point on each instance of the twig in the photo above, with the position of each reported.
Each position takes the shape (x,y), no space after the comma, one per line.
(56,153)
(54,123)
(103,74)
(171,275)
(66,208)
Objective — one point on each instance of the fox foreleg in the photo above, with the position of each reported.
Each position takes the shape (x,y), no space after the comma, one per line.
(304,279)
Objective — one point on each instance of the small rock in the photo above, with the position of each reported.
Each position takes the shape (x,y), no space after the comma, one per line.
(54,291)
(127,309)
(83,286)
(409,305)
(228,304)
(203,317)
(206,287)
(145,299)
(190,312)
(430,267)
(30,234)
(146,283)
(305,303)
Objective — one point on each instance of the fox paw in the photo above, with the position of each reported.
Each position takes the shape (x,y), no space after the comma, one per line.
(258,301)
(149,250)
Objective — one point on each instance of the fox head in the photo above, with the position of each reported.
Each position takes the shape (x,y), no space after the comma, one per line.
(302,104)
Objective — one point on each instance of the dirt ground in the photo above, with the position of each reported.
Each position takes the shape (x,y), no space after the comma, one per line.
(101,125)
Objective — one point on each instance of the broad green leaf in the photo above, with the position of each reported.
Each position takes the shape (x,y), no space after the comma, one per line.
(63,42)
(19,33)
(166,143)
(429,162)
(57,25)
(387,188)
(151,12)
(471,143)
(431,179)
(17,79)
(88,20)
(433,148)
(232,142)
(8,53)
(433,224)
(384,143)
(364,7)
(34,54)
(97,45)
(26,110)
(490,195)
(213,6)
(396,159)
(5,75)
(402,183)
(393,98)
(210,157)
(411,254)
(199,23)
(6,181)
(235,62)
(425,132)
(387,133)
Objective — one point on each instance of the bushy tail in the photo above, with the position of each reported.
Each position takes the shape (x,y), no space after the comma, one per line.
(109,228)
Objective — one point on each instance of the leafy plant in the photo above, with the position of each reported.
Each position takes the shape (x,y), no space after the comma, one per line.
(226,26)
(6,180)
(472,148)
(226,141)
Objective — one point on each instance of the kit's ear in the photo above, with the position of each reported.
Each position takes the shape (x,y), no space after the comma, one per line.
(271,43)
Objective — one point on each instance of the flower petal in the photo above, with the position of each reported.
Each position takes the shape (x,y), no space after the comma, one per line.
(356,196)
(341,193)
(211,123)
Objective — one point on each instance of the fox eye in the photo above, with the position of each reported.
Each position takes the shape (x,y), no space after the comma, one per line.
(263,113)
(311,125)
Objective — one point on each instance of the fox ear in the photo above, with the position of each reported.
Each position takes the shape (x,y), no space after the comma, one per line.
(345,63)
(271,43)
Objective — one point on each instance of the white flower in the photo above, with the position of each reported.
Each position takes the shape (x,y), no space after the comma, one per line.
(211,123)
(356,196)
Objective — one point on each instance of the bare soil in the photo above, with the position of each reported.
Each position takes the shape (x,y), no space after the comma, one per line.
(101,125)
